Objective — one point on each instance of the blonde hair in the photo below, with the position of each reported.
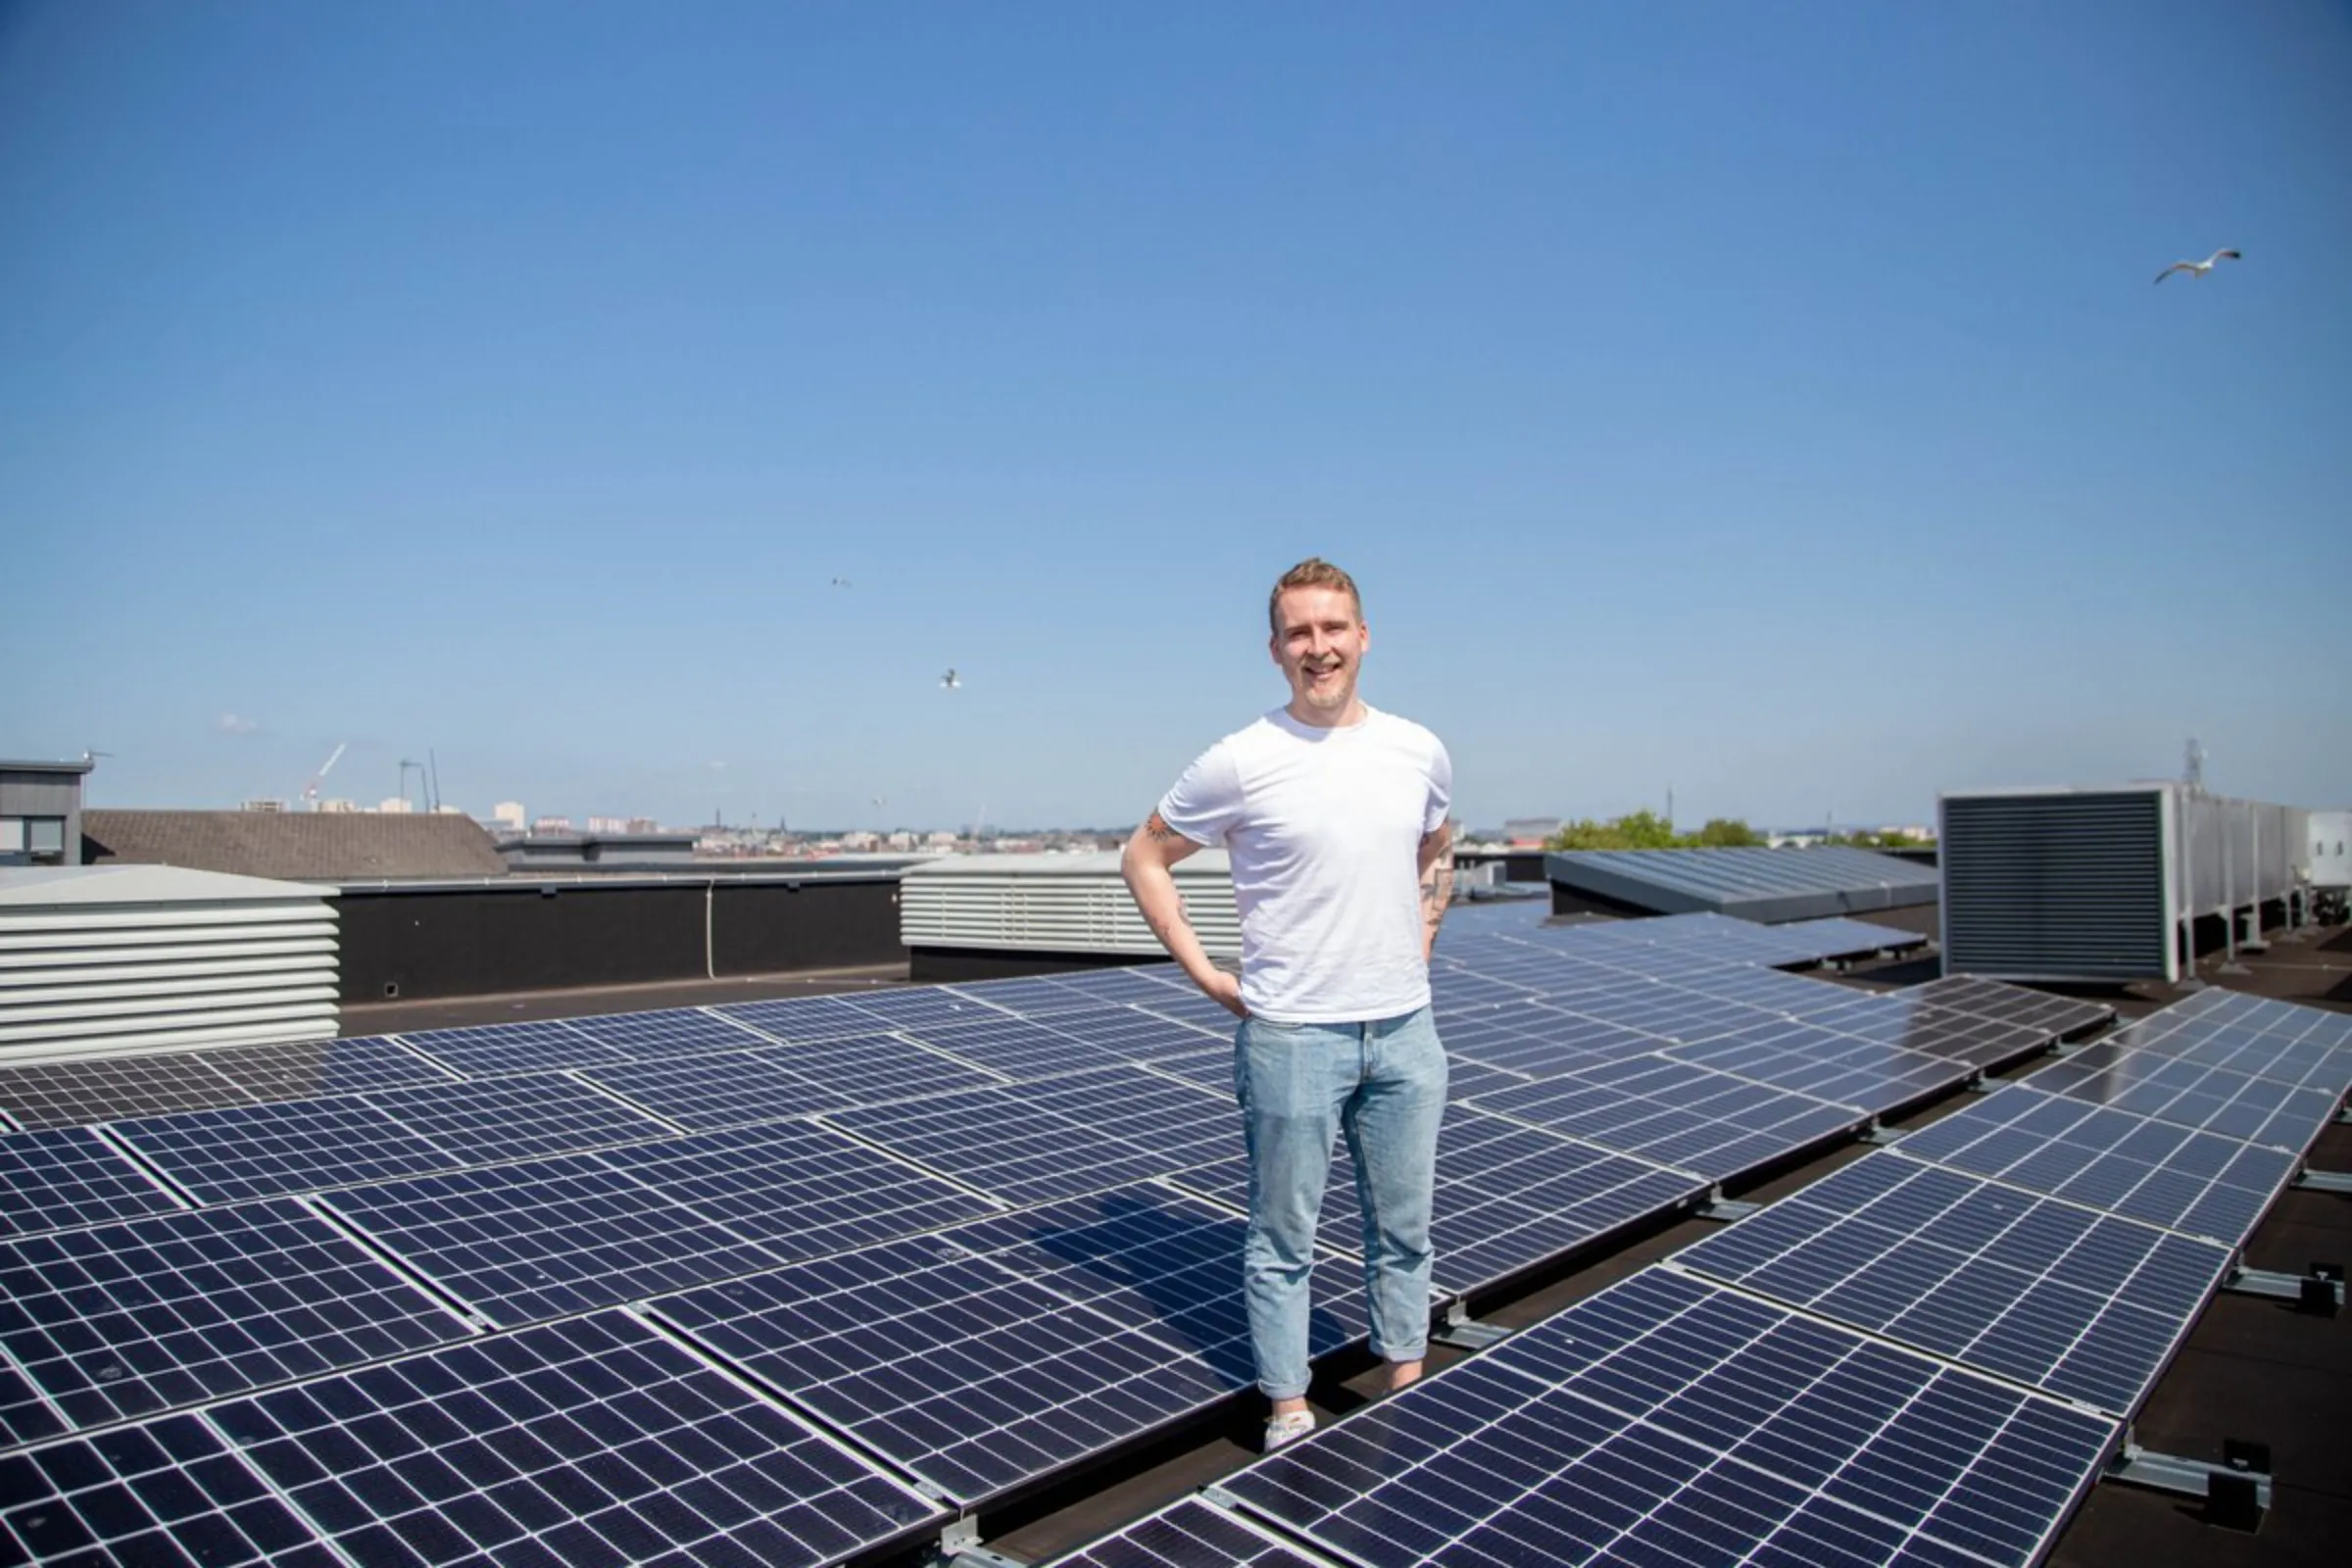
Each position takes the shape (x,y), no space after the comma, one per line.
(1312,573)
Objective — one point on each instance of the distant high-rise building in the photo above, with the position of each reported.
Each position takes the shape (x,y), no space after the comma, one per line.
(397,805)
(551,825)
(509,815)
(641,824)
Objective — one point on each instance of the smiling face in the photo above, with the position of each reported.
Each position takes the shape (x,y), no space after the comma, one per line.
(1319,640)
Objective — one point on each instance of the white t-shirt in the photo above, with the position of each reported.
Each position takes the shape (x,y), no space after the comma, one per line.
(1324,827)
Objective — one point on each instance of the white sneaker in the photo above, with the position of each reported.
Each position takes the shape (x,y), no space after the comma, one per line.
(1290,1428)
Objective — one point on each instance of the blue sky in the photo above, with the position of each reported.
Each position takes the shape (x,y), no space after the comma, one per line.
(1768,402)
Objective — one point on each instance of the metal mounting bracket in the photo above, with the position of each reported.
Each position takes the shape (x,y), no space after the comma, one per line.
(2236,1491)
(2319,1290)
(959,1547)
(1468,1334)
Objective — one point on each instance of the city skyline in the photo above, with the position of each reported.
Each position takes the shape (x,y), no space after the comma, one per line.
(645,415)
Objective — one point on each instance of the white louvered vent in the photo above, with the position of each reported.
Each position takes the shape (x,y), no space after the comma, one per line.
(1056,904)
(2054,886)
(111,958)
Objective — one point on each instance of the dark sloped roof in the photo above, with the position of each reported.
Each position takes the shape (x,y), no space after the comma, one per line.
(314,847)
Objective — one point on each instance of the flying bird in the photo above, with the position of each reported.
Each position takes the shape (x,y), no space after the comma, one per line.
(951,680)
(841,582)
(2198,269)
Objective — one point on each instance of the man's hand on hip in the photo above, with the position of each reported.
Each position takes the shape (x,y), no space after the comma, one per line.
(1225,990)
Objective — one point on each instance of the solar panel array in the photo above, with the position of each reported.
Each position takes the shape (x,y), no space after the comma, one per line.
(1757,884)
(756,1282)
(2043,1237)
(1669,1420)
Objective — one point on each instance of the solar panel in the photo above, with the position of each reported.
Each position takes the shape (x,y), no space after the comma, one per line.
(1191,1007)
(989,1357)
(1036,997)
(167,1494)
(1769,988)
(1156,1260)
(516,1118)
(1191,1534)
(2191,1094)
(704,1093)
(171,1310)
(1677,1016)
(592,1442)
(1018,1049)
(309,1146)
(1899,1018)
(60,1177)
(1668,1421)
(1675,1114)
(1131,1034)
(799,1018)
(1837,937)
(2199,1183)
(488,1051)
(242,1152)
(92,1090)
(1131,982)
(799,1188)
(1508,1197)
(1543,1042)
(1756,884)
(518,1243)
(2059,1017)
(1802,1058)
(2313,1024)
(903,1006)
(1454,991)
(2083,1305)
(669,1033)
(1463,1078)
(25,1416)
(960,1372)
(874,1069)
(311,1069)
(2280,1050)
(1070,1136)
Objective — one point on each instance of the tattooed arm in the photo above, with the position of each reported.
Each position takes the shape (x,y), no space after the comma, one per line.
(1437,883)
(1149,864)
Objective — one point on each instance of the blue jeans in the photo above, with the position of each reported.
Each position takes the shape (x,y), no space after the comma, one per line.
(1299,1084)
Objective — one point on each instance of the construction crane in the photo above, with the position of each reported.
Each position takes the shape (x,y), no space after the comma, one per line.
(309,791)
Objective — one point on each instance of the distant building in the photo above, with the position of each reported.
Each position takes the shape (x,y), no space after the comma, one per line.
(336,806)
(41,813)
(398,805)
(1530,829)
(608,824)
(599,851)
(263,805)
(295,846)
(552,824)
(509,815)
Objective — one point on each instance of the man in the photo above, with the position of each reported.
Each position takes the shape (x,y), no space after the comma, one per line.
(1335,814)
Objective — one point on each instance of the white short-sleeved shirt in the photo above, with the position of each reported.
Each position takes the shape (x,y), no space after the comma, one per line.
(1324,828)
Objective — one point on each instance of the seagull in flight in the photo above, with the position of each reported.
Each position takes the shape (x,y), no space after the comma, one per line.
(951,681)
(2198,269)
(841,582)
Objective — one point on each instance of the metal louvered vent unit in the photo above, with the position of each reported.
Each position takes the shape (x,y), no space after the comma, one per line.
(2099,884)
(142,957)
(1056,904)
